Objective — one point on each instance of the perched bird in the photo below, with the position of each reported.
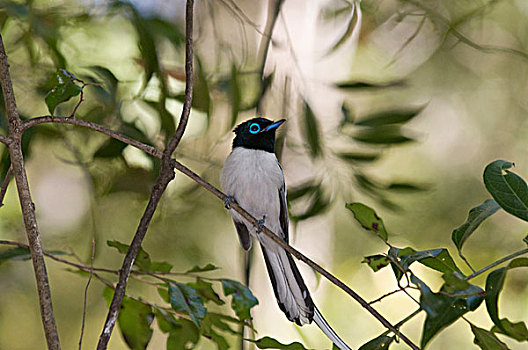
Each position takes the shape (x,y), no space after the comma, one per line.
(253,178)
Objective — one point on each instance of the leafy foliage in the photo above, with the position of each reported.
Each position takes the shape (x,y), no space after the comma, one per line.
(270,343)
(64,88)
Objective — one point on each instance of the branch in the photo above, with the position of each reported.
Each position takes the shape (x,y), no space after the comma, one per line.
(165,176)
(4,140)
(498,262)
(293,251)
(27,205)
(93,126)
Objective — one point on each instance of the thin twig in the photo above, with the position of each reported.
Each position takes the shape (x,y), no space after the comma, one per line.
(386,295)
(27,205)
(466,261)
(498,262)
(5,183)
(85,298)
(165,176)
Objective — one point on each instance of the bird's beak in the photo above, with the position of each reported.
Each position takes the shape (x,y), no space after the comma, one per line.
(273,126)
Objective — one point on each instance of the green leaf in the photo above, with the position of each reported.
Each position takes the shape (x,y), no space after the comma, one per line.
(486,340)
(386,134)
(437,259)
(311,131)
(494,284)
(186,336)
(379,343)
(442,310)
(475,217)
(507,188)
(134,322)
(206,291)
(64,89)
(376,262)
(368,219)
(318,203)
(166,321)
(196,268)
(18,253)
(365,85)
(142,261)
(517,331)
(243,300)
(235,98)
(390,117)
(454,282)
(270,343)
(185,298)
(111,148)
(359,157)
(406,187)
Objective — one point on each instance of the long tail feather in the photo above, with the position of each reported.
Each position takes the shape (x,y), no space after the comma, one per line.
(330,333)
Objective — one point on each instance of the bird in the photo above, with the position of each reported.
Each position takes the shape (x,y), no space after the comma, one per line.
(253,178)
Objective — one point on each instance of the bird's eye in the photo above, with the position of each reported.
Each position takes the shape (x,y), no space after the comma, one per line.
(254,128)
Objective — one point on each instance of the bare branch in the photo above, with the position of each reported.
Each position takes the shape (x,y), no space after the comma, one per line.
(166,175)
(93,126)
(4,140)
(5,183)
(27,205)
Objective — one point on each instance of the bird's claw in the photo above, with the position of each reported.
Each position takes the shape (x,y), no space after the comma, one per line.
(228,201)
(259,224)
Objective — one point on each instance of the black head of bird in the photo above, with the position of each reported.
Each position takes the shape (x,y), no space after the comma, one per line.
(257,133)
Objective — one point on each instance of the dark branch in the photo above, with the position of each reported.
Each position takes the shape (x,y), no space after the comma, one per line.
(165,176)
(27,206)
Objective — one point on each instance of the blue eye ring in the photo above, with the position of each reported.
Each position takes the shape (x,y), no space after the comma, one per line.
(254,128)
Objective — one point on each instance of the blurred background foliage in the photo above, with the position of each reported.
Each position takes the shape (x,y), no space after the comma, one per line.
(402,116)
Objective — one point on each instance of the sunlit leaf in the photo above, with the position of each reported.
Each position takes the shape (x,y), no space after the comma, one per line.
(515,330)
(475,217)
(494,285)
(270,343)
(442,310)
(486,340)
(64,89)
(386,134)
(379,343)
(311,131)
(134,321)
(196,268)
(368,219)
(376,262)
(185,298)
(389,117)
(508,189)
(242,299)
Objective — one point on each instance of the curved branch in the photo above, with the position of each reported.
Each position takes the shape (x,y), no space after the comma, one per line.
(165,176)
(93,126)
(27,205)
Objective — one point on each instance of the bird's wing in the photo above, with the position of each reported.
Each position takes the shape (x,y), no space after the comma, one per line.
(243,234)
(283,217)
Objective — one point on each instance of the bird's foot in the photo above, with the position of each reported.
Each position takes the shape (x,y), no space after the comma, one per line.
(259,224)
(228,201)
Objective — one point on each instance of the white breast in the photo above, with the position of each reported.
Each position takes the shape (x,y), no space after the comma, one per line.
(254,178)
